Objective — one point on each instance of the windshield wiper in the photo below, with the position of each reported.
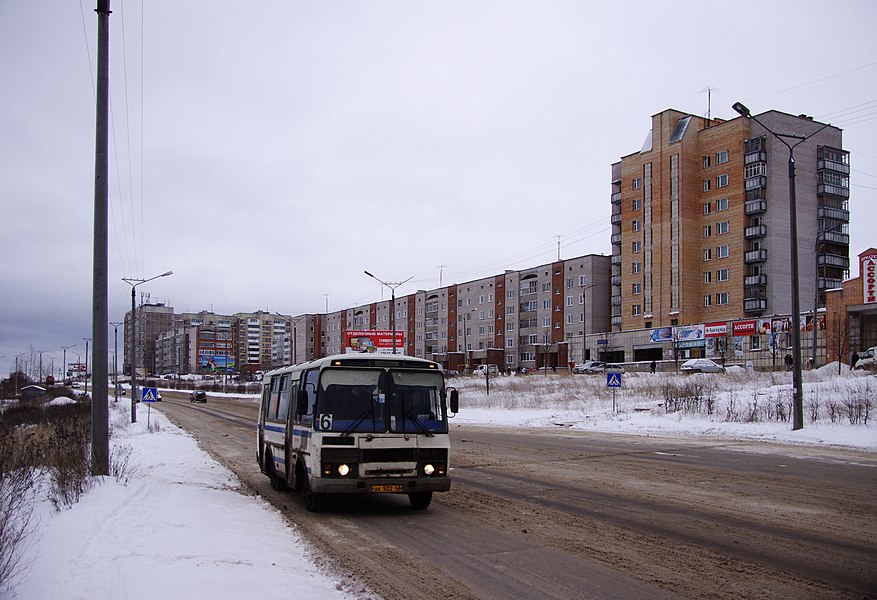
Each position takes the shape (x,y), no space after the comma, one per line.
(359,420)
(418,422)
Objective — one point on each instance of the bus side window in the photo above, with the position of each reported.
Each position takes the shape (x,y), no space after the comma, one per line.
(266,400)
(283,406)
(309,389)
(275,395)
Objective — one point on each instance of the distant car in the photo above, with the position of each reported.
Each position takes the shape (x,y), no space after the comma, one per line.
(583,367)
(198,396)
(615,367)
(701,365)
(451,373)
(867,359)
(596,366)
(76,384)
(157,396)
(485,369)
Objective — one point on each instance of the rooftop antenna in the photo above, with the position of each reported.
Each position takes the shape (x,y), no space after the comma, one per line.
(441,271)
(709,100)
(558,247)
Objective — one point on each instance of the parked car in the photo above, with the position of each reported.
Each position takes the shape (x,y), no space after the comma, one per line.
(485,369)
(867,359)
(583,367)
(596,366)
(701,365)
(198,396)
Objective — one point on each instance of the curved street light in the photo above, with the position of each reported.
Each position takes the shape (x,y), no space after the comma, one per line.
(392,285)
(798,406)
(134,282)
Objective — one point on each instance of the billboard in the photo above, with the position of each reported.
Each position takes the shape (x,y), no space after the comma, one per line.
(373,341)
(868,269)
(211,362)
(718,329)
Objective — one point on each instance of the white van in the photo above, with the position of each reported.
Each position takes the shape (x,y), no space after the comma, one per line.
(867,359)
(485,369)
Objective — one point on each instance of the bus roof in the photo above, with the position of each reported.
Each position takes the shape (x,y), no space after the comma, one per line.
(364,359)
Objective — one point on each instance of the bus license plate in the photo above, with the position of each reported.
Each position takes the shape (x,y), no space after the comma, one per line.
(386,488)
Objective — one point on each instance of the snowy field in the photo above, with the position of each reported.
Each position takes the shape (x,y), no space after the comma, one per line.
(177,525)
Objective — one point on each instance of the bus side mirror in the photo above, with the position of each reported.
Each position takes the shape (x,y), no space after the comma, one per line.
(455,400)
(302,404)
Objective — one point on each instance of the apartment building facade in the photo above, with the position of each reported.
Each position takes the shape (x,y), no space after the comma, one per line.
(700,220)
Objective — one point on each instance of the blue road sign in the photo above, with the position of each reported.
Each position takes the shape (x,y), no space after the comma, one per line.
(613,380)
(149,394)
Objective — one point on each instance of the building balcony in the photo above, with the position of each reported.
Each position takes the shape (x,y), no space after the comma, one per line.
(755,157)
(616,259)
(615,280)
(615,198)
(755,207)
(827,283)
(832,165)
(755,256)
(832,190)
(616,218)
(616,320)
(754,305)
(834,237)
(832,260)
(758,181)
(616,300)
(838,214)
(751,280)
(756,231)
(615,239)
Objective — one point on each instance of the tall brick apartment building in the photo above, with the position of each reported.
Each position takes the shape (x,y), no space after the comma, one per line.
(700,220)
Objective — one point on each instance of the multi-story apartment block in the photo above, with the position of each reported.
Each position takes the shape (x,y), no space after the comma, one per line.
(700,220)
(151,321)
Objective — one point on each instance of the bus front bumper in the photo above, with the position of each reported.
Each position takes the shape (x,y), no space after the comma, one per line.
(407,485)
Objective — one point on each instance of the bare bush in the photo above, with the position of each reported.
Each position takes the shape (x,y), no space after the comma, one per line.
(17,520)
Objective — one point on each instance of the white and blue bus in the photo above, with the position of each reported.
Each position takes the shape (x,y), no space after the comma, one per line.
(352,423)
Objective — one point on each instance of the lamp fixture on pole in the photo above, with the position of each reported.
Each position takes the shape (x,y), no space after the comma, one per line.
(392,285)
(134,282)
(798,405)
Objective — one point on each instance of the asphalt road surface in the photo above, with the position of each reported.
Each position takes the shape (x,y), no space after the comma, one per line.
(560,514)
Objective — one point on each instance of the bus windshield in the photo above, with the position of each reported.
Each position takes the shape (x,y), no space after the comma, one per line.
(357,401)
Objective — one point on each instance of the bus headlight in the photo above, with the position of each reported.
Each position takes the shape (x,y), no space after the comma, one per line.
(428,469)
(343,470)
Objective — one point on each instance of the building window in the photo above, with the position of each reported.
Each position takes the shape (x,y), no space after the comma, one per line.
(510,342)
(723,251)
(707,208)
(722,204)
(722,228)
(637,246)
(637,183)
(722,275)
(546,304)
(707,230)
(637,288)
(707,276)
(569,300)
(637,204)
(708,254)
(706,185)
(637,310)
(636,225)
(546,287)
(721,157)
(582,280)
(569,319)
(707,300)
(722,181)
(722,298)
(636,267)
(706,162)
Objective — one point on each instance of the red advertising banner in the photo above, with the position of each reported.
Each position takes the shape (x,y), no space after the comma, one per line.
(868,269)
(712,330)
(379,341)
(743,328)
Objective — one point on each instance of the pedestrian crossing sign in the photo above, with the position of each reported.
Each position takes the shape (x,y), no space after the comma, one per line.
(613,380)
(149,394)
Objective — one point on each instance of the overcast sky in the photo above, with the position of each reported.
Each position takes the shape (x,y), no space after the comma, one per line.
(269,152)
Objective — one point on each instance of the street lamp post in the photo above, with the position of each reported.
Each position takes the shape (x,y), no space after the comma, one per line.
(134,282)
(392,285)
(65,348)
(86,364)
(293,323)
(16,372)
(798,407)
(585,320)
(115,361)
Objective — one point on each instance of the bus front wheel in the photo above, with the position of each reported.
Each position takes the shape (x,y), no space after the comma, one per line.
(420,500)
(313,500)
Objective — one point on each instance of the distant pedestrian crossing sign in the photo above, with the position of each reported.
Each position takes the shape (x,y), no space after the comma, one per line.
(149,394)
(613,380)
